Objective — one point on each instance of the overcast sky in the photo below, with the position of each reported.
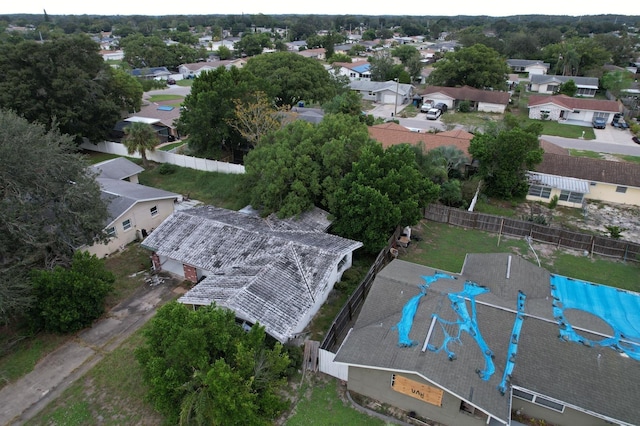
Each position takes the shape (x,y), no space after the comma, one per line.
(328,7)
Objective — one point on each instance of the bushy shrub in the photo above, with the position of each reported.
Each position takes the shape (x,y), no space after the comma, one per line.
(464,106)
(69,299)
(167,169)
(553,203)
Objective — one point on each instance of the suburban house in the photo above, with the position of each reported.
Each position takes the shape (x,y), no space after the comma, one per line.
(571,110)
(530,67)
(162,121)
(296,45)
(480,100)
(502,340)
(319,54)
(383,92)
(356,71)
(389,134)
(159,73)
(134,209)
(577,179)
(267,270)
(194,70)
(550,84)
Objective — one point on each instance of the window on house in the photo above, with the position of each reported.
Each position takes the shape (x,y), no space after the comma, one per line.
(540,191)
(621,189)
(571,197)
(536,399)
(126,224)
(111,232)
(154,210)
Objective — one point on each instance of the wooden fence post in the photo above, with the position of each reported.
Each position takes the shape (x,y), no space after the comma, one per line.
(500,231)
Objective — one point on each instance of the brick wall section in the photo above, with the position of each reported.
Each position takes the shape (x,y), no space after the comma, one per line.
(155,259)
(190,273)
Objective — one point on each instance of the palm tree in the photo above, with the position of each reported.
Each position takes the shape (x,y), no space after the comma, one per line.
(140,137)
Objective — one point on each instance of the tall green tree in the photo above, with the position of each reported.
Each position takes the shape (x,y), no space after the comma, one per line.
(65,81)
(50,206)
(477,66)
(202,368)
(381,66)
(385,189)
(617,81)
(126,90)
(142,51)
(405,52)
(505,156)
(140,137)
(291,78)
(210,107)
(300,166)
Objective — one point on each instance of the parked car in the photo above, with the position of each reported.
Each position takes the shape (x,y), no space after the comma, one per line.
(599,123)
(426,106)
(636,140)
(171,81)
(434,114)
(618,122)
(441,106)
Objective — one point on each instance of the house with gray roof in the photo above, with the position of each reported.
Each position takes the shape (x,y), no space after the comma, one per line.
(502,340)
(267,270)
(384,92)
(531,67)
(550,84)
(134,210)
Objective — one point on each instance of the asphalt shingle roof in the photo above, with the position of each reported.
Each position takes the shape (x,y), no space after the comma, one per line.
(389,134)
(591,169)
(597,379)
(570,103)
(269,270)
(470,94)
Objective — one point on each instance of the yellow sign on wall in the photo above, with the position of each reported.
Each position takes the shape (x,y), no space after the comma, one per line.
(417,390)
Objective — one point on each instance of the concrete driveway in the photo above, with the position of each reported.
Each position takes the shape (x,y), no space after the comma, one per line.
(613,135)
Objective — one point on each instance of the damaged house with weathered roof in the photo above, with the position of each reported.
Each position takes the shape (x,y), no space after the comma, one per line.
(267,270)
(502,341)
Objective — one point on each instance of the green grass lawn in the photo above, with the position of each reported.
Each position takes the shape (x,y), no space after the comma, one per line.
(112,391)
(444,247)
(162,98)
(94,157)
(320,405)
(170,146)
(185,82)
(218,189)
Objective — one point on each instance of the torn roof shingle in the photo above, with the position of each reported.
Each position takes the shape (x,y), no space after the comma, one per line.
(269,270)
(596,379)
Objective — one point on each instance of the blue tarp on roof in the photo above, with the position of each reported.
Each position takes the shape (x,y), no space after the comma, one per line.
(362,68)
(618,308)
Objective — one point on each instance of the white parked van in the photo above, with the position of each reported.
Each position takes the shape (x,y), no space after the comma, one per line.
(433,114)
